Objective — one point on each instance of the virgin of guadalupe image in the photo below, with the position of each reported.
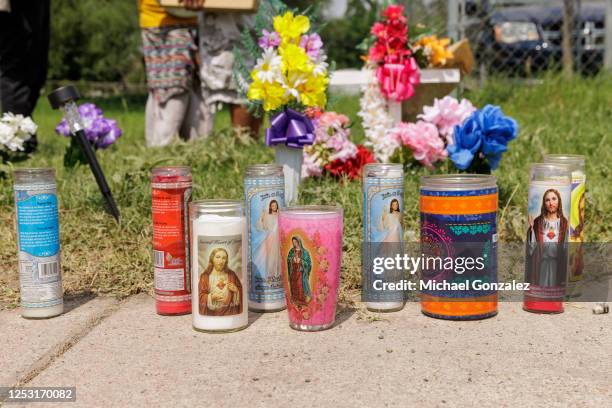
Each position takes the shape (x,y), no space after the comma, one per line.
(391,222)
(268,252)
(546,237)
(299,265)
(220,290)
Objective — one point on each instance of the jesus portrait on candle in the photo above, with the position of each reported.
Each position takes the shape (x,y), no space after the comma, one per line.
(547,233)
(299,265)
(220,290)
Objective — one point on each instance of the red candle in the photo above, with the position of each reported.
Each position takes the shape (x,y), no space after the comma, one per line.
(171,195)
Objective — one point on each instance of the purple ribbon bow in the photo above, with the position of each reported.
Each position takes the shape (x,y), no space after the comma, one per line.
(292,128)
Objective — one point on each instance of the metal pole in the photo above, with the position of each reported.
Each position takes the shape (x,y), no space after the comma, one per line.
(608,43)
(452,19)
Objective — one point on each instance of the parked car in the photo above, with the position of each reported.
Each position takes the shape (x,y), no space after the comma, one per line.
(528,37)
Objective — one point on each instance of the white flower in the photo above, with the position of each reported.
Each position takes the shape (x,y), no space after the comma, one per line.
(14,130)
(269,66)
(6,133)
(321,65)
(28,126)
(376,121)
(292,83)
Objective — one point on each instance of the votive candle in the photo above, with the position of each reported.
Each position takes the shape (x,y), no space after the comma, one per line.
(218,247)
(311,253)
(546,258)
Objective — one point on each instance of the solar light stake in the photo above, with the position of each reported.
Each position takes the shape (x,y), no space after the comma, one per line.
(65,98)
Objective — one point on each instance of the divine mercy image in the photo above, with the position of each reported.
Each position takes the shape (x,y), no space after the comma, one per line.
(268,252)
(391,222)
(299,266)
(546,236)
(219,288)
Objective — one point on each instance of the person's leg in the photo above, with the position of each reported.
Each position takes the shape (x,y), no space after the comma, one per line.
(163,120)
(241,117)
(199,120)
(14,89)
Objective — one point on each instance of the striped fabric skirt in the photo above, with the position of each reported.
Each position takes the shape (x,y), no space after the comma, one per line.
(170,60)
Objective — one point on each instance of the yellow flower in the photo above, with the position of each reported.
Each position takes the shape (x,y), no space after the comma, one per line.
(295,59)
(290,28)
(437,50)
(271,94)
(312,91)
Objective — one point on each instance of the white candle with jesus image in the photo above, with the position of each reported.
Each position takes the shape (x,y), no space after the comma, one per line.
(218,262)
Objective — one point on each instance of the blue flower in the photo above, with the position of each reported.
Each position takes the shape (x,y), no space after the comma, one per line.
(486,131)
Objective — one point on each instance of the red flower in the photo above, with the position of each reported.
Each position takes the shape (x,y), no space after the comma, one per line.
(377,52)
(395,12)
(397,29)
(379,30)
(351,167)
(313,112)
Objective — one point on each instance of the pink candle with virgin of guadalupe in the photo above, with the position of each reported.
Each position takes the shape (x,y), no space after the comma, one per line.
(311,253)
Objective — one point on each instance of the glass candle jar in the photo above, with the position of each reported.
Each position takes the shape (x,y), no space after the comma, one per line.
(383,203)
(547,236)
(38,243)
(171,195)
(576,216)
(311,253)
(458,220)
(218,267)
(264,195)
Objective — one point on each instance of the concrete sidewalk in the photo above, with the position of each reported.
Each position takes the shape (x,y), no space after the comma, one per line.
(126,355)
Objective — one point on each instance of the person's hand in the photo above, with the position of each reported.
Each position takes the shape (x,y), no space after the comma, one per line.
(193,4)
(217,297)
(232,287)
(530,221)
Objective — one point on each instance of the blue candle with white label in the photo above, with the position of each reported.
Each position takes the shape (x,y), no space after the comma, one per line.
(38,242)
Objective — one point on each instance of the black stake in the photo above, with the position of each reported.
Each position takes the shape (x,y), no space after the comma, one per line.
(64,98)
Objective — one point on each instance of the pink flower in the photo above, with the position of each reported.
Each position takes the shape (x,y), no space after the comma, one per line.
(312,44)
(312,165)
(269,39)
(446,113)
(337,120)
(398,80)
(424,141)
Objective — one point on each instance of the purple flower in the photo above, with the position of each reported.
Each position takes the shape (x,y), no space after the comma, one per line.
(101,132)
(63,128)
(312,44)
(111,136)
(269,39)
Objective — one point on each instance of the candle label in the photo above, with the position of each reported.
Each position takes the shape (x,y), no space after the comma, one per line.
(39,246)
(457,225)
(576,225)
(170,215)
(310,260)
(220,286)
(264,197)
(383,203)
(546,244)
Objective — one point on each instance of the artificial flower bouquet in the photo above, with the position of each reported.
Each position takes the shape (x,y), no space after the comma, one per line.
(290,75)
(332,152)
(395,53)
(15,130)
(474,140)
(100,131)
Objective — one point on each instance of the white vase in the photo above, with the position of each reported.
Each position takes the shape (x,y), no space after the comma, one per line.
(291,159)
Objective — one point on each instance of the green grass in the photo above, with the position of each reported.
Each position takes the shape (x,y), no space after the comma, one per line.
(99,256)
